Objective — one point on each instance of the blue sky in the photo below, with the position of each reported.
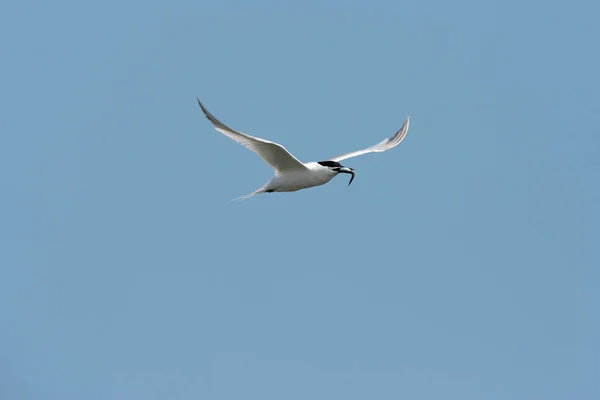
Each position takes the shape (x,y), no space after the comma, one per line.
(463,264)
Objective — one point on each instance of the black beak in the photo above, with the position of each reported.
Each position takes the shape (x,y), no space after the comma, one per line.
(347,170)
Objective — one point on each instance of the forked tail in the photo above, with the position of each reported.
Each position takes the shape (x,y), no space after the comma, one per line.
(258,191)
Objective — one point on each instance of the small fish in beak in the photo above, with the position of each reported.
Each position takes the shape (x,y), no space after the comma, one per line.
(347,170)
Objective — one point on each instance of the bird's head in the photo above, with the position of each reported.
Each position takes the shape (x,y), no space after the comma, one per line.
(337,168)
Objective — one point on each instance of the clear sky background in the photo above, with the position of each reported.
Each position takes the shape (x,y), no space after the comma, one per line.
(462,264)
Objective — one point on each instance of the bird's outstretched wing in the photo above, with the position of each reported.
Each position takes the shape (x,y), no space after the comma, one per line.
(274,154)
(381,146)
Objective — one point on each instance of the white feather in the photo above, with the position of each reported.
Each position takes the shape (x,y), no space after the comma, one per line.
(384,145)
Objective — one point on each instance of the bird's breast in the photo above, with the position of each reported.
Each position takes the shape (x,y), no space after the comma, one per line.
(296,180)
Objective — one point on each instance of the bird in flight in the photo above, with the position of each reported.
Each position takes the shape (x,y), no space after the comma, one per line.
(291,174)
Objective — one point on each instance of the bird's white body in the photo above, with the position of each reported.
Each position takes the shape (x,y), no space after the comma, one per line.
(291,174)
(290,181)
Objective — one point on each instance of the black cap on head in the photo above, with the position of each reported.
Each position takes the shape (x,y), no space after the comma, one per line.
(332,164)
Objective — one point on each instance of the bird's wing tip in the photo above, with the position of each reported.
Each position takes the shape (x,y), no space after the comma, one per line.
(205,111)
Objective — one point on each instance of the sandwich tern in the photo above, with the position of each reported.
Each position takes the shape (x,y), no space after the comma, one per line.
(291,174)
